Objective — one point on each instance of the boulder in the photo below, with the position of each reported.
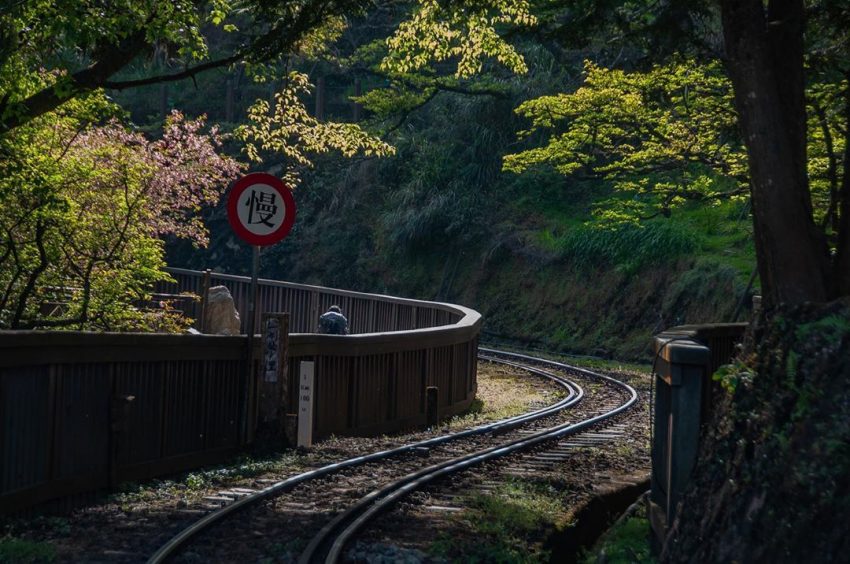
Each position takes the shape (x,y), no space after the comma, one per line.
(221,315)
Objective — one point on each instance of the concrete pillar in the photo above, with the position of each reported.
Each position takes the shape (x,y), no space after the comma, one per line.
(680,379)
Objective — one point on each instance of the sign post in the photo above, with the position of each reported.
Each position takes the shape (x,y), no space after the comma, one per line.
(306,381)
(261,211)
(274,377)
(252,297)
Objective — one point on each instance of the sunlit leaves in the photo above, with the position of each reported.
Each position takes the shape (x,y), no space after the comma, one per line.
(464,31)
(289,130)
(662,137)
(317,41)
(83,209)
(827,138)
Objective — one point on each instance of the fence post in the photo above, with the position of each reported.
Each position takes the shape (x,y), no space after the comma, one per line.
(275,375)
(307,374)
(679,382)
(432,411)
(314,311)
(119,408)
(205,296)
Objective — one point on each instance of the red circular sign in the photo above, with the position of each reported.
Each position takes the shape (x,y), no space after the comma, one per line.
(261,209)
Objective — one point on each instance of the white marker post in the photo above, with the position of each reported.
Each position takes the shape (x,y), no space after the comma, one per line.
(305,403)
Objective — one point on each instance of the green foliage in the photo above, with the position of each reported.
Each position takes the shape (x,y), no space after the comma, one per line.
(21,551)
(506,523)
(289,130)
(518,507)
(661,137)
(831,329)
(71,32)
(626,544)
(82,212)
(196,482)
(732,375)
(626,246)
(463,31)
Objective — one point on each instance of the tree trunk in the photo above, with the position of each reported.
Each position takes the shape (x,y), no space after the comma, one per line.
(765,61)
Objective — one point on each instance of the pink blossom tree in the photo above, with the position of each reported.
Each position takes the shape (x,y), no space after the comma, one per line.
(84,216)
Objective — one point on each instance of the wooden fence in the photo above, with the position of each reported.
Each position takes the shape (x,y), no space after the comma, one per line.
(367,313)
(86,411)
(374,380)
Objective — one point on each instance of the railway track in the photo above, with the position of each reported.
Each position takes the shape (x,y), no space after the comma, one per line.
(339,499)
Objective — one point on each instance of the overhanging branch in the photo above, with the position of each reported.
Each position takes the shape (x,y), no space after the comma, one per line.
(186,73)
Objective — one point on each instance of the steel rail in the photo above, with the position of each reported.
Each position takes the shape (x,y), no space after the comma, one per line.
(574,396)
(344,526)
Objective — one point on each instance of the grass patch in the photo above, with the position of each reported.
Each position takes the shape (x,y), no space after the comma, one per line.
(626,543)
(24,551)
(134,494)
(508,525)
(590,363)
(503,392)
(722,232)
(629,247)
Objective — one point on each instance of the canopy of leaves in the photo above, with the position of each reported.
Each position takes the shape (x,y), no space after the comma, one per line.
(662,137)
(461,31)
(83,209)
(91,44)
(289,130)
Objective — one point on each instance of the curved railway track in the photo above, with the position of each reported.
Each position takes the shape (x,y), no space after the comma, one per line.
(348,485)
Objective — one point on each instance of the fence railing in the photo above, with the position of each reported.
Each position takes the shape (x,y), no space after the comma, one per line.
(87,411)
(367,313)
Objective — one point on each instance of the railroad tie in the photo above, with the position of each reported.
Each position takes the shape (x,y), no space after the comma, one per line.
(219,500)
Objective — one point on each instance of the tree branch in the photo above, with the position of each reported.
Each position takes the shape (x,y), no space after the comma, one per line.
(40,229)
(186,73)
(831,215)
(433,84)
(409,111)
(86,80)
(841,266)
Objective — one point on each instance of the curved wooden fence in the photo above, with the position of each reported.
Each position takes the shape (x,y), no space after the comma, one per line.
(367,313)
(87,411)
(374,380)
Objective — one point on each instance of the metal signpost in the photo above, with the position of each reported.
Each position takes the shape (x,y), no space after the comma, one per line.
(261,211)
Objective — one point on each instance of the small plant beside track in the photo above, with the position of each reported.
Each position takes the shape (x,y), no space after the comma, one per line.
(510,524)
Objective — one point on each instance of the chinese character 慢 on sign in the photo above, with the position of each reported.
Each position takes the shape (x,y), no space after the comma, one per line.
(261,207)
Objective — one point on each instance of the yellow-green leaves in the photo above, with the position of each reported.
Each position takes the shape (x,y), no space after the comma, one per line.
(316,42)
(219,10)
(466,32)
(291,131)
(662,137)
